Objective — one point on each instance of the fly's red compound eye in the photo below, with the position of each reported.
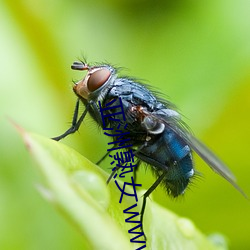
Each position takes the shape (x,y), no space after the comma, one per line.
(97,79)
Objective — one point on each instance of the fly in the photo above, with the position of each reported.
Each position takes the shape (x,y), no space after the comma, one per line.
(159,136)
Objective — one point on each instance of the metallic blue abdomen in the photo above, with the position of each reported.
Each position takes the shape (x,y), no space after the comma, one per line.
(168,153)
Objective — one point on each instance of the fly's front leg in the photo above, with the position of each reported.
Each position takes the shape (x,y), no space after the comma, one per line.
(75,123)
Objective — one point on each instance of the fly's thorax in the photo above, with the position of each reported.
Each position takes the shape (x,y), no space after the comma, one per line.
(93,85)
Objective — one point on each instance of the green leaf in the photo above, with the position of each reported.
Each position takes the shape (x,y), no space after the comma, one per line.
(78,189)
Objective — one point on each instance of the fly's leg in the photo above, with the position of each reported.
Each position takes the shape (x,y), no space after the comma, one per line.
(104,156)
(117,168)
(75,124)
(145,196)
(112,174)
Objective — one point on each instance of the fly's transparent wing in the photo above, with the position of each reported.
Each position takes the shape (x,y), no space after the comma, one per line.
(175,124)
(210,158)
(207,155)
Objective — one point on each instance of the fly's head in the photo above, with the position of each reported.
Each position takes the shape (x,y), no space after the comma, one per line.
(95,80)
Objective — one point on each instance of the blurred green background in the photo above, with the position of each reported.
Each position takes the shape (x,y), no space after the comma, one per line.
(196,52)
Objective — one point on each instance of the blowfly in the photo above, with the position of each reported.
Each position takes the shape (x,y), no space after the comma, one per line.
(158,135)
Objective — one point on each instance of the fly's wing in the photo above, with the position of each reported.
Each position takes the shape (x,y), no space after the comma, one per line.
(212,160)
(175,124)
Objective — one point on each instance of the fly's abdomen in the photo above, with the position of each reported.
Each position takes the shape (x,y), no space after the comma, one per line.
(180,166)
(178,176)
(168,154)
